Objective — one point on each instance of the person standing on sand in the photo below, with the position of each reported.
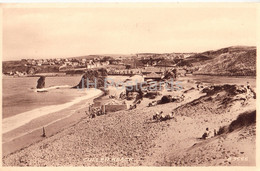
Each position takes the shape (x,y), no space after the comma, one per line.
(43,132)
(248,85)
(173,116)
(248,91)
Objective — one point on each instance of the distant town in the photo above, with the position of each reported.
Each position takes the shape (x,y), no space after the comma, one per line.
(229,61)
(115,64)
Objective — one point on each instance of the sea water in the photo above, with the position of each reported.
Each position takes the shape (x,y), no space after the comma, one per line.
(239,80)
(22,103)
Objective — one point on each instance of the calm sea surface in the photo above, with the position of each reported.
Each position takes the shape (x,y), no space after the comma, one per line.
(19,94)
(224,80)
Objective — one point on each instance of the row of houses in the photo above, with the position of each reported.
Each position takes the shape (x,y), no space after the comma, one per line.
(169,56)
(17,73)
(123,72)
(138,71)
(63,62)
(87,65)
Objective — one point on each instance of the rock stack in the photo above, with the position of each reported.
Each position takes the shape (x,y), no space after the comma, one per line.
(41,82)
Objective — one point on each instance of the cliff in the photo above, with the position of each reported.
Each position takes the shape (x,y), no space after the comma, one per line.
(93,78)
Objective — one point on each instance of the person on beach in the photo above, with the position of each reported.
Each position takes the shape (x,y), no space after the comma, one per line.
(161,114)
(206,134)
(215,132)
(248,85)
(173,116)
(89,108)
(43,132)
(164,117)
(156,116)
(248,91)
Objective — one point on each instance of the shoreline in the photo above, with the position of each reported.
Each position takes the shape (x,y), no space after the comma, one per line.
(54,122)
(26,117)
(66,75)
(232,76)
(72,75)
(224,75)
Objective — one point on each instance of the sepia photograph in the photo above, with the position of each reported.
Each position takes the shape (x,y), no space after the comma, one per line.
(129,84)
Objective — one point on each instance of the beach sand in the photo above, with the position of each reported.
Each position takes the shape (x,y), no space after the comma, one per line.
(30,133)
(132,138)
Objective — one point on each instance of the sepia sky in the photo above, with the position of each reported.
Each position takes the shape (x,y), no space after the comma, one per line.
(66,32)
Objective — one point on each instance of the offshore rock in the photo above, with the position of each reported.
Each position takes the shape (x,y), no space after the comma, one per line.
(41,82)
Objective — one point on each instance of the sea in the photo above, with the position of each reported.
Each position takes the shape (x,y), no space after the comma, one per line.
(20,95)
(238,80)
(22,103)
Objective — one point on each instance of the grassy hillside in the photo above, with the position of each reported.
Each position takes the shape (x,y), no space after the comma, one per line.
(232,61)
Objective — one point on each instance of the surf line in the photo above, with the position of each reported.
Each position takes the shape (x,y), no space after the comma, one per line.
(51,88)
(35,129)
(13,122)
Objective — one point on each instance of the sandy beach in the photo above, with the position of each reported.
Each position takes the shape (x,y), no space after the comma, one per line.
(133,138)
(28,128)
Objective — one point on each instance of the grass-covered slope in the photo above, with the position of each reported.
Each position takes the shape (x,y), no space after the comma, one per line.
(231,61)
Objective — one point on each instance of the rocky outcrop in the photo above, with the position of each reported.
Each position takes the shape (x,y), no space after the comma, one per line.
(41,82)
(93,78)
(170,74)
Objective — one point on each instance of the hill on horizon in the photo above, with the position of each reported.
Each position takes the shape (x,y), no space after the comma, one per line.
(230,61)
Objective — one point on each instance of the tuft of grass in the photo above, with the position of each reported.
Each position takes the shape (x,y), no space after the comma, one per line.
(244,119)
(222,130)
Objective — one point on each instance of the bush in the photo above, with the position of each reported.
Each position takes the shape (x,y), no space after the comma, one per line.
(244,119)
(222,130)
(165,99)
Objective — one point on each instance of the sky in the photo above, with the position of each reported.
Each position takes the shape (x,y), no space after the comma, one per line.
(66,32)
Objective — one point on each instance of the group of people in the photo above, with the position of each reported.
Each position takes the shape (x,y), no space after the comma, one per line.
(160,116)
(207,134)
(94,111)
(134,105)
